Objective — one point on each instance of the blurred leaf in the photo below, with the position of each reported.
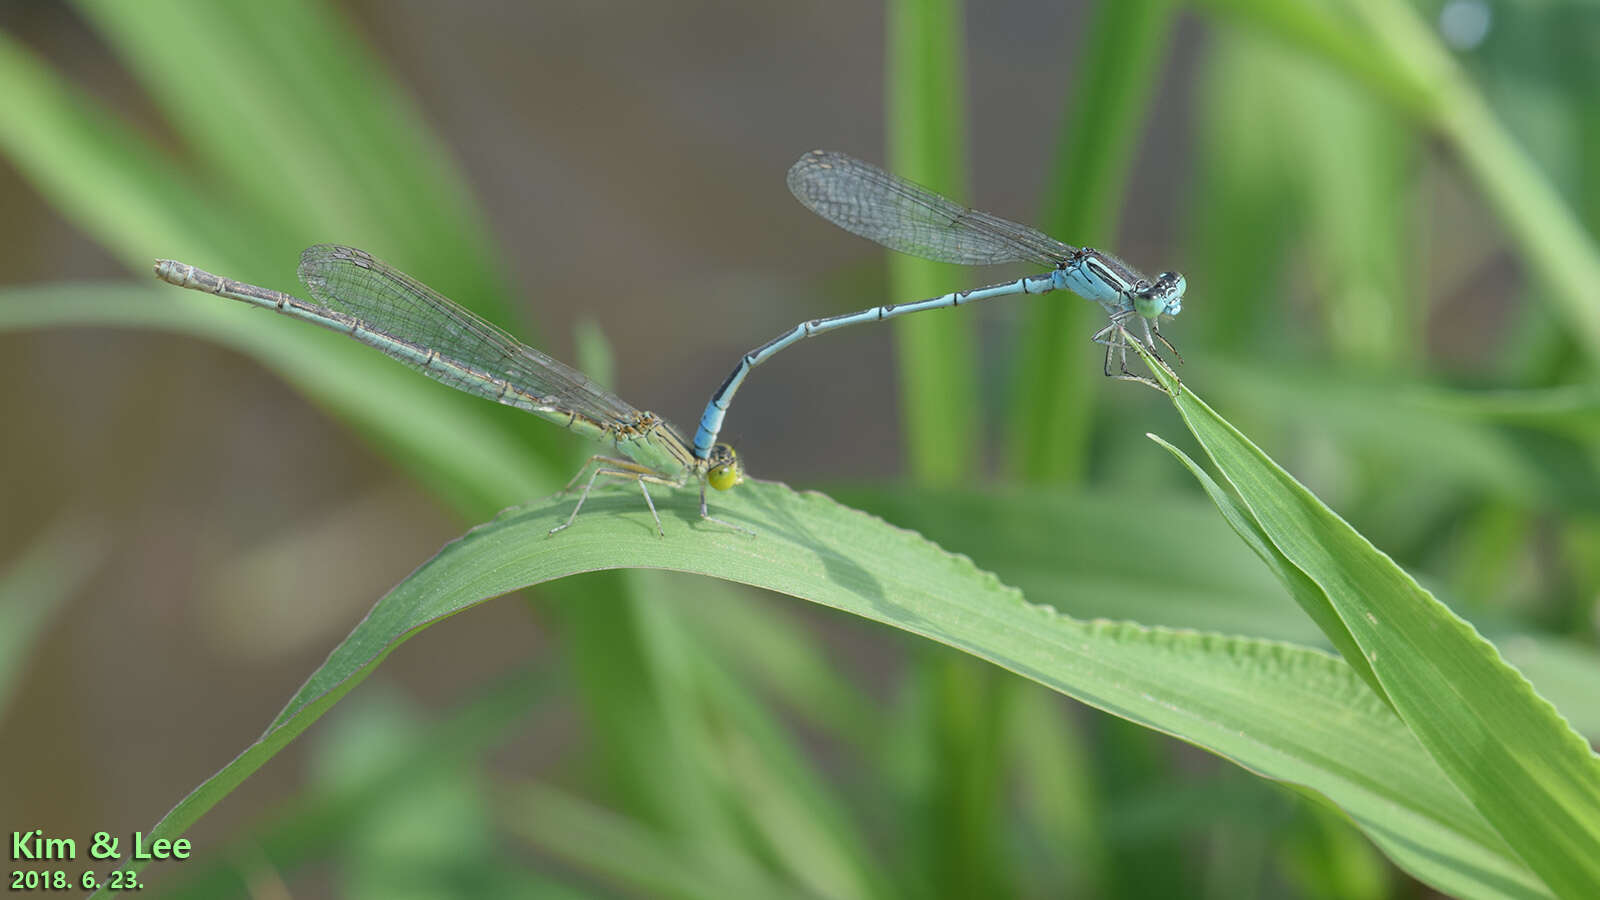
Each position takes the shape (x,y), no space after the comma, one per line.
(55,565)
(1121,48)
(1060,797)
(112,183)
(1145,809)
(1327,860)
(1580,539)
(717,771)
(1537,217)
(1361,262)
(1327,32)
(772,650)
(955,811)
(325,148)
(802,823)
(1245,213)
(593,351)
(1568,409)
(633,662)
(431,834)
(452,447)
(623,852)
(1501,744)
(1404,424)
(1287,713)
(107,179)
(926,108)
(315,825)
(1563,670)
(1385,44)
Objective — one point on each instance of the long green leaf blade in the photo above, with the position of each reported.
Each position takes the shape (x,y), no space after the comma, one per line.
(1287,713)
(1503,746)
(1052,396)
(927,144)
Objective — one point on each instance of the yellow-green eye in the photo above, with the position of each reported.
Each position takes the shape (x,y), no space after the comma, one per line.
(724,477)
(726,470)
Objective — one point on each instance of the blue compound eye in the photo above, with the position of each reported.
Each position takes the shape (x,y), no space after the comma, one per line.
(1166,295)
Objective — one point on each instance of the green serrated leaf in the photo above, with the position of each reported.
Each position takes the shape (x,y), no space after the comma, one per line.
(1501,744)
(1287,713)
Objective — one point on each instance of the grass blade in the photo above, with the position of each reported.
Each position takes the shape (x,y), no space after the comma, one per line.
(106,178)
(927,141)
(1501,744)
(1286,713)
(327,146)
(624,852)
(1387,46)
(1052,395)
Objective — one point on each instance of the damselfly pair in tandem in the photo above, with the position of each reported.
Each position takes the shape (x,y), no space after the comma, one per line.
(382,307)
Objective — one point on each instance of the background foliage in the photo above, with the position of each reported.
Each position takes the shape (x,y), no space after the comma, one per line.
(1389,264)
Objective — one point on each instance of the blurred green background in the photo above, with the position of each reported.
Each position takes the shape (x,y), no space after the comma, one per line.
(1384,291)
